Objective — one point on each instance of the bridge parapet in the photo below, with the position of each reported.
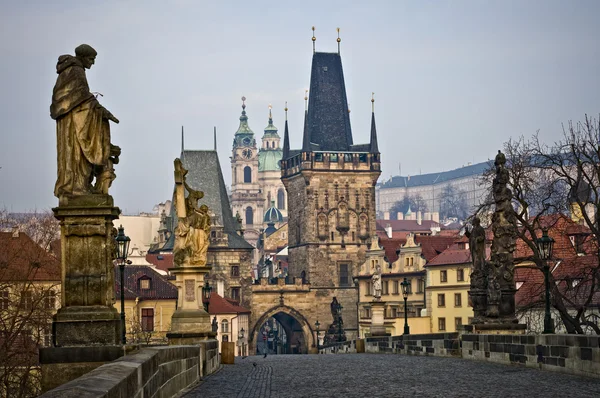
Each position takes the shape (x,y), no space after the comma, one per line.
(154,371)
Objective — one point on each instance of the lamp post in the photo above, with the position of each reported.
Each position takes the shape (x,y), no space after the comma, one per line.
(241,340)
(405,285)
(357,285)
(121,250)
(545,245)
(206,292)
(317,326)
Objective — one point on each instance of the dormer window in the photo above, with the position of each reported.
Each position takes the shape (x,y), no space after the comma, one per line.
(145,284)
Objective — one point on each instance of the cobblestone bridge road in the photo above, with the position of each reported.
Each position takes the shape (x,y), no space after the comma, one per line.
(380,375)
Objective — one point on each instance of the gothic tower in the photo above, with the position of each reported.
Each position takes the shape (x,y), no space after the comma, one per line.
(246,195)
(331,187)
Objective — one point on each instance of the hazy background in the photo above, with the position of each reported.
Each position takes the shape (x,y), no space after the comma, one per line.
(453,80)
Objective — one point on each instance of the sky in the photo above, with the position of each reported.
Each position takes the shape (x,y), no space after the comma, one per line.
(453,80)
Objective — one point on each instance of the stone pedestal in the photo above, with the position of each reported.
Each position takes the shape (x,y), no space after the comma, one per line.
(190,323)
(377,319)
(87,316)
(498,328)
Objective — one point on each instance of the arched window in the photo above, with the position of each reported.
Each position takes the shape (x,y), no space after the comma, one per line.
(247,174)
(224,326)
(281,199)
(249,216)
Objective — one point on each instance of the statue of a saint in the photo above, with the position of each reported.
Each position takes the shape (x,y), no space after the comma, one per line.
(193,227)
(376,283)
(85,154)
(477,244)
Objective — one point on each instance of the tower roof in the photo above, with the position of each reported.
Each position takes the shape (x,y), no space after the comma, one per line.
(268,159)
(271,130)
(273,215)
(244,136)
(328,121)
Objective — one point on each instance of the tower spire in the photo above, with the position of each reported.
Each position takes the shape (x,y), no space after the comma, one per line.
(286,137)
(314,39)
(182,144)
(338,40)
(374,148)
(215,137)
(306,135)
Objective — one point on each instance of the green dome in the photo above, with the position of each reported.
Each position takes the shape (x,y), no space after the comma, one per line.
(268,160)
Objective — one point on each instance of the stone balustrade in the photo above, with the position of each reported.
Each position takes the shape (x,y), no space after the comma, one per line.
(151,372)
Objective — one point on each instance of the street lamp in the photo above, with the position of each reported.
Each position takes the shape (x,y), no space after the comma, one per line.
(317,326)
(121,251)
(545,245)
(405,286)
(241,341)
(206,292)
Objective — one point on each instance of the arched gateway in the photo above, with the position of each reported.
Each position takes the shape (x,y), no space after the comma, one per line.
(299,335)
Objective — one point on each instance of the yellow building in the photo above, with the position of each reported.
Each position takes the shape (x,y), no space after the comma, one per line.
(150,301)
(232,321)
(448,283)
(410,265)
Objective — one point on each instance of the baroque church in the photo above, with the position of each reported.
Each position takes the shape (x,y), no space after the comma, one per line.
(256,187)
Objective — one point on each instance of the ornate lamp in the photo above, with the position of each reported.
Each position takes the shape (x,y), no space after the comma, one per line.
(121,251)
(545,244)
(405,290)
(206,292)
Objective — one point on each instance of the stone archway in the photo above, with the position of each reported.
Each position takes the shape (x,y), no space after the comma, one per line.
(288,317)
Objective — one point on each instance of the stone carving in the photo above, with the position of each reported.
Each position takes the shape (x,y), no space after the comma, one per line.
(193,228)
(85,154)
(190,290)
(376,283)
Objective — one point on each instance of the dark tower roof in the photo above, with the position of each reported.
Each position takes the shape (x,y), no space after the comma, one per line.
(328,121)
(374,147)
(286,141)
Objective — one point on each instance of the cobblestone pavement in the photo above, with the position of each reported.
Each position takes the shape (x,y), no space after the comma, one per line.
(380,375)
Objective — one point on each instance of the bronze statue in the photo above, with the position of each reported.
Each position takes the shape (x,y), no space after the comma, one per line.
(85,154)
(193,227)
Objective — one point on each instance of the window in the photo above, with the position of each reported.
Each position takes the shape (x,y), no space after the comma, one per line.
(470,320)
(235,293)
(384,287)
(50,300)
(369,287)
(235,270)
(147,319)
(410,263)
(367,313)
(409,287)
(362,158)
(457,300)
(4,299)
(318,157)
(280,199)
(247,174)
(344,277)
(333,157)
(420,285)
(441,300)
(442,324)
(443,276)
(395,287)
(27,300)
(224,326)
(347,157)
(249,216)
(225,337)
(394,312)
(460,275)
(457,323)
(145,284)
(332,238)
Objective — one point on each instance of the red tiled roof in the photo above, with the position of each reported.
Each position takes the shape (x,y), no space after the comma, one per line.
(23,259)
(162,261)
(452,255)
(160,288)
(431,245)
(220,305)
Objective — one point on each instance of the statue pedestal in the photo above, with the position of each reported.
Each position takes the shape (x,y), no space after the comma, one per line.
(87,316)
(190,323)
(377,319)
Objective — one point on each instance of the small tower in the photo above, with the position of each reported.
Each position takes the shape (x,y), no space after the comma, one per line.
(269,171)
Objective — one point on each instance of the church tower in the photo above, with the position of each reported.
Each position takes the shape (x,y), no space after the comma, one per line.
(269,170)
(246,196)
(330,183)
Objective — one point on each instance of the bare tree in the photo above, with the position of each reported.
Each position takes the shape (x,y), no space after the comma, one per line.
(453,203)
(556,187)
(414,202)
(29,292)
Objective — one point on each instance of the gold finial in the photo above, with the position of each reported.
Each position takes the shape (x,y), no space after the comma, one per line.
(338,40)
(306,100)
(314,39)
(243,102)
(270,107)
(285,109)
(373,102)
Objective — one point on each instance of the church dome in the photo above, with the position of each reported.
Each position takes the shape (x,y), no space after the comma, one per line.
(273,215)
(268,160)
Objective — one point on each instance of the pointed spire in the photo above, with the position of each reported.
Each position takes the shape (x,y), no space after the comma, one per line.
(215,138)
(286,137)
(306,135)
(182,144)
(338,40)
(314,39)
(374,146)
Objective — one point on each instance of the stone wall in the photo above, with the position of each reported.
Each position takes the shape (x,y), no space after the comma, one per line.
(157,371)
(566,353)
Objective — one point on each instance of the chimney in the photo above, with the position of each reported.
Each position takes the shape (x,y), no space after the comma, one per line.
(399,216)
(386,215)
(427,216)
(419,219)
(435,216)
(15,232)
(388,230)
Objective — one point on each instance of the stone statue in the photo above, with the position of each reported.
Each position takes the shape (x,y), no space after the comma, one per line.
(85,154)
(376,283)
(477,247)
(193,228)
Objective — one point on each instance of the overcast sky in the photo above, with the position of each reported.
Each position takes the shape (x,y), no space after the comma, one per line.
(453,80)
